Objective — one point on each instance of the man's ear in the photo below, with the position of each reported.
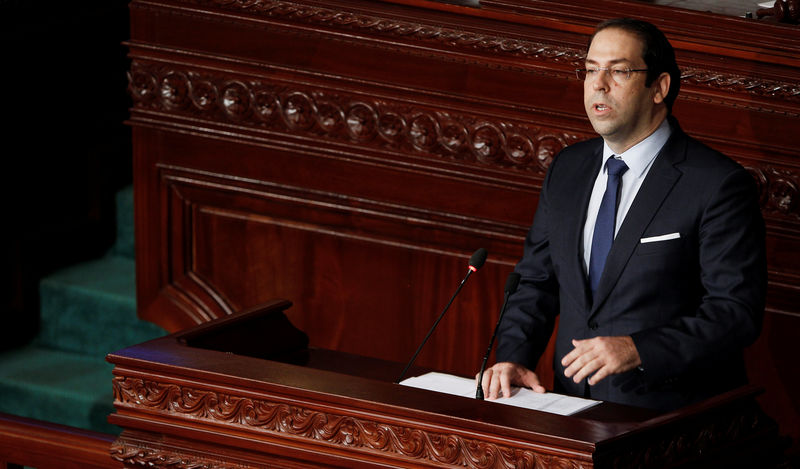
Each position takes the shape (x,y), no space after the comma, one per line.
(661,88)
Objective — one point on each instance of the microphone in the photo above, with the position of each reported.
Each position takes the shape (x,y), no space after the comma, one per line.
(475,263)
(511,286)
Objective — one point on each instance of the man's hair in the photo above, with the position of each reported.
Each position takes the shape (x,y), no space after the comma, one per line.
(657,52)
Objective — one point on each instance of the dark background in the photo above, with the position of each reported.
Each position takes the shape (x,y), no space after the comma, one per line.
(66,147)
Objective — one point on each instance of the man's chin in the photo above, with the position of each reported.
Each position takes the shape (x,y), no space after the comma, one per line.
(603,127)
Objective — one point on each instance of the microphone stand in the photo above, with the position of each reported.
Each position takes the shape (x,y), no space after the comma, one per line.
(475,263)
(511,286)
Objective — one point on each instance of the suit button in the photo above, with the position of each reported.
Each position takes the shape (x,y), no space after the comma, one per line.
(593,325)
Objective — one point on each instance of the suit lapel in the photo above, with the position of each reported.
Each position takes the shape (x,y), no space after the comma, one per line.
(657,185)
(576,274)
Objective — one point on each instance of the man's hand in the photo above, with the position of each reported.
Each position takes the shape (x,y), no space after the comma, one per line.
(503,375)
(600,357)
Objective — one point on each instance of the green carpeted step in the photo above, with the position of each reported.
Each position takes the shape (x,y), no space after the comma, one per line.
(86,311)
(90,308)
(124,243)
(57,386)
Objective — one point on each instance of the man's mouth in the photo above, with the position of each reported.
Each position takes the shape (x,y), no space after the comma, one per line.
(600,107)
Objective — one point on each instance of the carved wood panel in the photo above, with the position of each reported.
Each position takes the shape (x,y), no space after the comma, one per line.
(399,441)
(362,287)
(187,400)
(350,156)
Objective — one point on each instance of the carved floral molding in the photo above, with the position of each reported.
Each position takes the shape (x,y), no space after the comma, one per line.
(703,437)
(485,43)
(738,84)
(345,117)
(392,27)
(138,455)
(321,427)
(384,124)
(779,191)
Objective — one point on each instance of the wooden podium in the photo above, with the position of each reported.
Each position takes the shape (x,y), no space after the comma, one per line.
(351,154)
(246,391)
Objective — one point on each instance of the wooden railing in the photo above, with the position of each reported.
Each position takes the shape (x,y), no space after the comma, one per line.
(45,445)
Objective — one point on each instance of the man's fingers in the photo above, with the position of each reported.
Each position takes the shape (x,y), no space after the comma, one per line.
(494,387)
(532,381)
(599,358)
(570,357)
(499,379)
(487,378)
(505,384)
(587,369)
(584,358)
(579,349)
(601,374)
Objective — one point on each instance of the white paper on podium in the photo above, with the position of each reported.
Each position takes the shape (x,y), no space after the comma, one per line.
(520,397)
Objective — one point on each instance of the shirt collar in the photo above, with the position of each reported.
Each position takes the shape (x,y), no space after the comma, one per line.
(639,156)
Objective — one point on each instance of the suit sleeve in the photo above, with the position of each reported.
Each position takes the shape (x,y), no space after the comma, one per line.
(733,279)
(532,309)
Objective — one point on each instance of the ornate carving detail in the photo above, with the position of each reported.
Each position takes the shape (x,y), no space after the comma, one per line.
(779,191)
(137,455)
(741,84)
(703,437)
(348,117)
(387,124)
(399,28)
(323,427)
(785,11)
(496,45)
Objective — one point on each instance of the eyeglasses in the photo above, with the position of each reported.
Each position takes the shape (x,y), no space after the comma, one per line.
(619,75)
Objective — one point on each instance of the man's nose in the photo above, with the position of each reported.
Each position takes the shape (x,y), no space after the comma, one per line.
(602,81)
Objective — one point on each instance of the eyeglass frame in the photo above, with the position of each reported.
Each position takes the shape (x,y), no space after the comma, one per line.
(611,71)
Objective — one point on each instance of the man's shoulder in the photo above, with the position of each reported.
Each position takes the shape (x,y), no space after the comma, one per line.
(701,156)
(577,153)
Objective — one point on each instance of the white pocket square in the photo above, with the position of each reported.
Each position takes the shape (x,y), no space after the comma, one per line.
(665,237)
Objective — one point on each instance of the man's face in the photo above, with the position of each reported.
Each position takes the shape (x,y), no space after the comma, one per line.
(623,111)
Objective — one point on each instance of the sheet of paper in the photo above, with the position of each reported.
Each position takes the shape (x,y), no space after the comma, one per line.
(520,397)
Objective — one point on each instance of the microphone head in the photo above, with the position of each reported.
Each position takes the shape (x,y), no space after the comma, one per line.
(477,259)
(512,282)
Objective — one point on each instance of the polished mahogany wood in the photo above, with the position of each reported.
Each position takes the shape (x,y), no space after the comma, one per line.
(201,407)
(785,11)
(32,443)
(349,155)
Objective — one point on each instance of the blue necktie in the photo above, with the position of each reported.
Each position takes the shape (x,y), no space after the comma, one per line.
(606,220)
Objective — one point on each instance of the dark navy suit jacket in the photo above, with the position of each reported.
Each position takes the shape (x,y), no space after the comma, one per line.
(691,303)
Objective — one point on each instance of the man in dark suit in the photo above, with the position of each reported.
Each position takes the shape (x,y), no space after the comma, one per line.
(648,246)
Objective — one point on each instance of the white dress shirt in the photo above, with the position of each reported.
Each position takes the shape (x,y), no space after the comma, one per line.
(639,159)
